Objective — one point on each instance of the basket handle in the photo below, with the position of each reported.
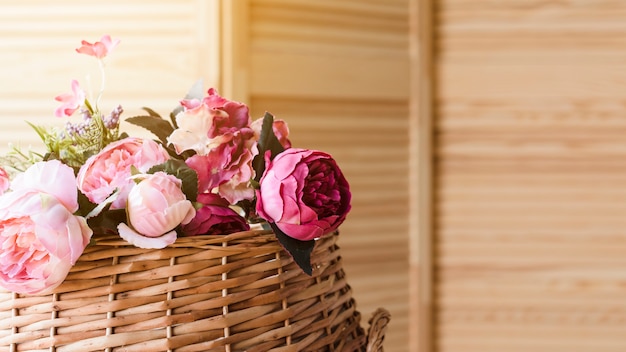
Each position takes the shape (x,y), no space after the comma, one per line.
(376,333)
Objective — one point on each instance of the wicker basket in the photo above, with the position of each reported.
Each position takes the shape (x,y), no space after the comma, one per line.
(207,293)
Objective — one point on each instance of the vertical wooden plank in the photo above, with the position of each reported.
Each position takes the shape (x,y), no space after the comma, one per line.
(421,178)
(208,34)
(530,174)
(235,43)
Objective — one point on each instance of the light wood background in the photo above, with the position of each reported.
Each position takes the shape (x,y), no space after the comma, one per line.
(530,174)
(337,71)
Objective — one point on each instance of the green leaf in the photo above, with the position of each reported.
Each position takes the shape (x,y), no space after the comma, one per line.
(151,112)
(84,204)
(299,250)
(267,142)
(187,175)
(106,222)
(155,124)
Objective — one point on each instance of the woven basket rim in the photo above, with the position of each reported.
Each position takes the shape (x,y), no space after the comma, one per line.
(252,235)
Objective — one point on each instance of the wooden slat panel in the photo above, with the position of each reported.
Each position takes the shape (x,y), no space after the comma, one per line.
(531,204)
(337,72)
(163,51)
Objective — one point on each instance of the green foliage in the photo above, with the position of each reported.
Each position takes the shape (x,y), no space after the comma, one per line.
(267,142)
(154,123)
(74,149)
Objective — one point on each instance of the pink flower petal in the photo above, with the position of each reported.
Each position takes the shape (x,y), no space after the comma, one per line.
(140,241)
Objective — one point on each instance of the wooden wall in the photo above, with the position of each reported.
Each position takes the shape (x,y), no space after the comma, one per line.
(337,71)
(530,148)
(165,47)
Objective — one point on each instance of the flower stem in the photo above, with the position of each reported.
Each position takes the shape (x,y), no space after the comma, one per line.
(102,82)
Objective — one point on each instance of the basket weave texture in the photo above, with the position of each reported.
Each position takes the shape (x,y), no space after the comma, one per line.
(240,292)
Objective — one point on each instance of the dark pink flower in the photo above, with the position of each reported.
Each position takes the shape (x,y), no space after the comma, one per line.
(304,193)
(237,114)
(98,49)
(218,130)
(215,218)
(227,167)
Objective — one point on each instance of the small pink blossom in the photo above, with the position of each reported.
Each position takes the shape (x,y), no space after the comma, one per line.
(98,49)
(5,181)
(155,207)
(110,169)
(70,101)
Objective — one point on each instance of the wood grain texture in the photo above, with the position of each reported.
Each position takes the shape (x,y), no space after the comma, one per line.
(421,175)
(337,71)
(165,47)
(530,201)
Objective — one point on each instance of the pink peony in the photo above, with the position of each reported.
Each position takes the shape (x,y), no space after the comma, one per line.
(71,101)
(110,169)
(203,125)
(5,181)
(40,238)
(215,218)
(218,130)
(228,167)
(155,207)
(98,49)
(304,193)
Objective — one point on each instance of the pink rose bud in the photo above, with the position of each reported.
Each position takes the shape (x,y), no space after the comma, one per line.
(304,193)
(155,207)
(40,237)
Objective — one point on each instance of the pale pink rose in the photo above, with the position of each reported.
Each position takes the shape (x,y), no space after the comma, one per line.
(110,169)
(52,177)
(5,181)
(40,237)
(155,207)
(193,130)
(98,49)
(71,101)
(304,193)
(280,128)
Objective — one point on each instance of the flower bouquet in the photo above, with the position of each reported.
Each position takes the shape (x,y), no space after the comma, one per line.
(217,235)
